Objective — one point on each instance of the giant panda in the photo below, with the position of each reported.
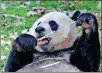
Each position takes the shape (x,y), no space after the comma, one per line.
(61,47)
(51,25)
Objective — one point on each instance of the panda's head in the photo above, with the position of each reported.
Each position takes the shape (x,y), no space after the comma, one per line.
(57,27)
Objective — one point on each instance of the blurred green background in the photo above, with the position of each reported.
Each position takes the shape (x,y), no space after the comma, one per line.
(17,17)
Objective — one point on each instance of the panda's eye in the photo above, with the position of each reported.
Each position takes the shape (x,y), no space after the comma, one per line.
(38,23)
(53,25)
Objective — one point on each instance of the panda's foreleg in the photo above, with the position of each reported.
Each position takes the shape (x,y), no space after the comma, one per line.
(21,53)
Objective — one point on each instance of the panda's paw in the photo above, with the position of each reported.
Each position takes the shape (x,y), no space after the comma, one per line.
(24,43)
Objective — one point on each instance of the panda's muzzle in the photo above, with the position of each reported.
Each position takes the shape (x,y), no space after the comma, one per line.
(41,38)
(44,40)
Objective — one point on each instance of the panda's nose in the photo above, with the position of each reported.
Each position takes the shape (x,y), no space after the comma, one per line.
(39,29)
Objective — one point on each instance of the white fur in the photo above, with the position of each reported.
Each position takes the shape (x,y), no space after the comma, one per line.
(66,27)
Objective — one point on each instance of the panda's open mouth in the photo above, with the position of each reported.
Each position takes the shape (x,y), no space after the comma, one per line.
(43,40)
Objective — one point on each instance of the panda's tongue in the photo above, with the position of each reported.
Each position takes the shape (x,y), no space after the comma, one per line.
(43,42)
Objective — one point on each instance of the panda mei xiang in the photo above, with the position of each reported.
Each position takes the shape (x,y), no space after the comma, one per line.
(62,50)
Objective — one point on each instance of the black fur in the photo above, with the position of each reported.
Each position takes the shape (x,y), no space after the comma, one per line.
(21,52)
(76,15)
(87,50)
(53,25)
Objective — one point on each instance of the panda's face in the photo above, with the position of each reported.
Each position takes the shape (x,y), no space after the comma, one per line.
(55,26)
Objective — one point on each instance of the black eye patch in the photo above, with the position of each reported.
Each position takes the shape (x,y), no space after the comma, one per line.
(53,25)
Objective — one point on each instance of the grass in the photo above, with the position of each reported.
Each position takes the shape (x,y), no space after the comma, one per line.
(12,9)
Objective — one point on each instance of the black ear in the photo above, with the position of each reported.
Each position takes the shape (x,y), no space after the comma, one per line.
(76,15)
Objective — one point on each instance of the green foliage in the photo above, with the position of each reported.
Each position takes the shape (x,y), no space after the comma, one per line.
(16,11)
(52,4)
(89,5)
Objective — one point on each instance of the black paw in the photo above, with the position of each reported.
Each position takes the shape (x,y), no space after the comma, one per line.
(24,43)
(21,53)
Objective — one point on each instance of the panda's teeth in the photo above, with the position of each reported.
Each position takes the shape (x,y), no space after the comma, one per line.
(46,41)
